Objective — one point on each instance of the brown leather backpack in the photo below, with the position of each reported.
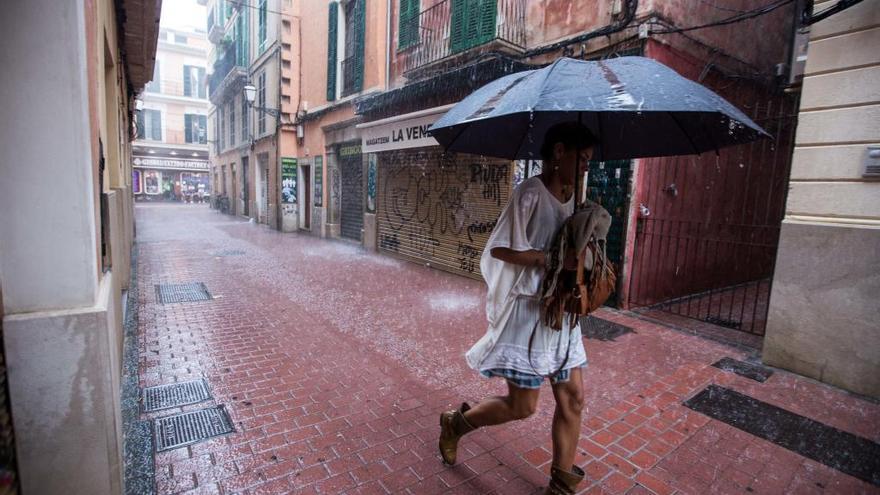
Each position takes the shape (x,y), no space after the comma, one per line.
(578,292)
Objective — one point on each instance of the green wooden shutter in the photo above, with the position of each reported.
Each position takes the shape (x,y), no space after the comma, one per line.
(359,42)
(202,86)
(187,128)
(456,29)
(486,12)
(331,51)
(473,23)
(203,129)
(157,125)
(408,24)
(187,81)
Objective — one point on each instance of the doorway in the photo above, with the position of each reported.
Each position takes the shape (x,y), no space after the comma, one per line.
(245,199)
(305,202)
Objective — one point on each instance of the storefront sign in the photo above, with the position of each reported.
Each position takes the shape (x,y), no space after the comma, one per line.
(288,180)
(402,131)
(319,180)
(409,133)
(168,163)
(347,150)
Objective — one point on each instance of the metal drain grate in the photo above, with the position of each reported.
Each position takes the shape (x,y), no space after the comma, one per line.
(593,327)
(176,293)
(229,252)
(175,394)
(191,427)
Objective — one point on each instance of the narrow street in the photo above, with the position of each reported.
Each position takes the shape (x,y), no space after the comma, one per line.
(334,364)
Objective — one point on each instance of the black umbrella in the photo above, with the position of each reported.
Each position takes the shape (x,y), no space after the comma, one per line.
(635,106)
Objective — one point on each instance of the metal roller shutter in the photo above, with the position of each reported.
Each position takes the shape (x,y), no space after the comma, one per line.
(439,209)
(352,202)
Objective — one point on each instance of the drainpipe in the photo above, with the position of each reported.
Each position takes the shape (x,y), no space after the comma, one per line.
(388,49)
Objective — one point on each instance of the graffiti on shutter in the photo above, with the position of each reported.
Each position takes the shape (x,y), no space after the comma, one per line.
(440,209)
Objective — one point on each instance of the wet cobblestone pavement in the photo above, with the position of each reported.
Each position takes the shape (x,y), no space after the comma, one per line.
(334,364)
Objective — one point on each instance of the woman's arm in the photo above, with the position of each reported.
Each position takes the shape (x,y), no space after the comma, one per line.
(525,258)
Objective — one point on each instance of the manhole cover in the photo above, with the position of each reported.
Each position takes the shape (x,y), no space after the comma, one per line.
(176,293)
(191,427)
(175,394)
(229,252)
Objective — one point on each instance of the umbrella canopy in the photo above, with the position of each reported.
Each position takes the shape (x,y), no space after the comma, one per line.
(636,107)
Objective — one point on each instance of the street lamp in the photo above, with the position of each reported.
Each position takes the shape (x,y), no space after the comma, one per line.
(250,93)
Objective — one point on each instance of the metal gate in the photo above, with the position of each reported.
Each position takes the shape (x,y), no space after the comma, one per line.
(352,171)
(708,232)
(438,209)
(608,183)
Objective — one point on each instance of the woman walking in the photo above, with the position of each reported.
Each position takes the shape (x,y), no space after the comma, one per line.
(516,346)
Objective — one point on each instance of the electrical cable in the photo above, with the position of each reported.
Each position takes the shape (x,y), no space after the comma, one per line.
(838,7)
(730,20)
(243,3)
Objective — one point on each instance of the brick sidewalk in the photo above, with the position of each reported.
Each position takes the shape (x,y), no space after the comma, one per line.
(334,365)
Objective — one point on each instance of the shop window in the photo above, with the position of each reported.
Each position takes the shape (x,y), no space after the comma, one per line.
(152,182)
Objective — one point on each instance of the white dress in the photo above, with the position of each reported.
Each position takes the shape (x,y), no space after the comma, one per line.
(529,221)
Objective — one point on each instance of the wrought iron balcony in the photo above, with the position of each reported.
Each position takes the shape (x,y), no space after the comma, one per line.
(454,27)
(352,76)
(228,73)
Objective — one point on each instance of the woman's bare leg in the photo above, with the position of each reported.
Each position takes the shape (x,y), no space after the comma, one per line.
(567,419)
(519,403)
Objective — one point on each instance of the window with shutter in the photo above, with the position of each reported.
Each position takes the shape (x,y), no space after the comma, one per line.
(261,102)
(408,24)
(360,20)
(244,119)
(156,125)
(473,24)
(203,129)
(187,128)
(200,83)
(331,51)
(262,25)
(141,125)
(232,123)
(187,80)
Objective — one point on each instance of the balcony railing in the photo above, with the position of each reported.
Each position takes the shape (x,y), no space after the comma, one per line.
(451,27)
(352,76)
(226,64)
(177,88)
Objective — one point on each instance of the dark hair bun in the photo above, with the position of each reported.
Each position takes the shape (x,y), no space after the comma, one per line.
(572,135)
